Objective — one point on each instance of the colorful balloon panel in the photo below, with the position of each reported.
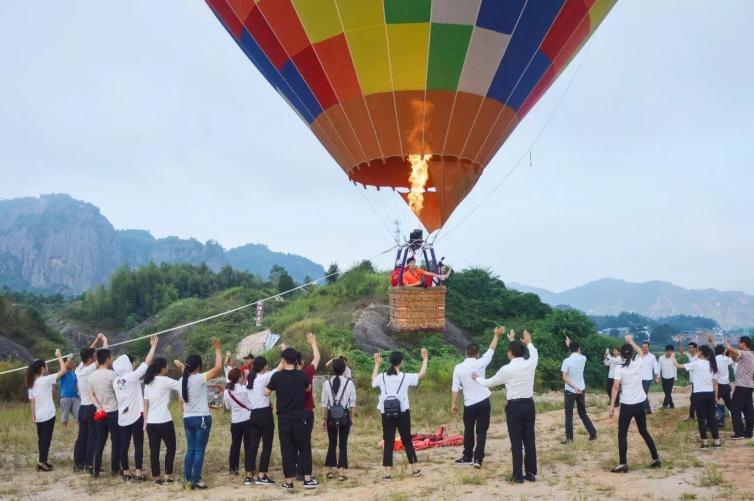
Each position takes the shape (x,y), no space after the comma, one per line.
(378,80)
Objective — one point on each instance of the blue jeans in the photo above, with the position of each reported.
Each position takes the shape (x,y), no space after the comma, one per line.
(197,434)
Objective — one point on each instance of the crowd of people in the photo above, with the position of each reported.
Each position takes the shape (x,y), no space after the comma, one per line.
(105,396)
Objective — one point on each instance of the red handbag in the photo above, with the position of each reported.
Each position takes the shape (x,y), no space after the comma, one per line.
(100,415)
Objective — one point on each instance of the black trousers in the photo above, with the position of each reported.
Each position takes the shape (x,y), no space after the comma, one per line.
(646,383)
(300,464)
(261,428)
(741,404)
(705,413)
(44,438)
(520,416)
(692,407)
(476,422)
(337,438)
(240,433)
(609,387)
(157,433)
(403,425)
(578,399)
(667,388)
(295,446)
(638,413)
(83,451)
(724,392)
(135,430)
(105,427)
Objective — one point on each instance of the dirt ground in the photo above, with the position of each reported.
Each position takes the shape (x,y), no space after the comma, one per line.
(579,471)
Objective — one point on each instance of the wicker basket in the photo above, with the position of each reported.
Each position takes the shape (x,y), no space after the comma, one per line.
(417,309)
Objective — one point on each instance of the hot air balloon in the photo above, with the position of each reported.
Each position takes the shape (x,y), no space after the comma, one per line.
(414,95)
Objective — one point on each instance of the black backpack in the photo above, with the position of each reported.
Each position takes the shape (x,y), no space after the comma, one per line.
(337,413)
(391,407)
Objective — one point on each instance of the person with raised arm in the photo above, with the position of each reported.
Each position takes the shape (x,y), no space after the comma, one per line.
(518,377)
(703,375)
(338,405)
(572,370)
(668,373)
(741,400)
(102,394)
(159,422)
(197,420)
(262,427)
(395,409)
(83,452)
(39,383)
(611,362)
(302,467)
(476,400)
(127,386)
(724,363)
(628,382)
(650,370)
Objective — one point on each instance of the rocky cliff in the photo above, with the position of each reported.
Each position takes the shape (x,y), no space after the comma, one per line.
(57,244)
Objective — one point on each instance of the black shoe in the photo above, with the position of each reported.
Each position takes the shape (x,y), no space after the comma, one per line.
(464,461)
(621,468)
(737,437)
(311,483)
(265,480)
(285,485)
(387,478)
(248,481)
(43,467)
(199,485)
(477,465)
(656,463)
(159,481)
(716,444)
(593,437)
(566,442)
(530,477)
(417,473)
(704,444)
(515,480)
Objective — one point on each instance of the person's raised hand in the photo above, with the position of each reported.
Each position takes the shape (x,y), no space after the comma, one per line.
(499,331)
(179,364)
(311,339)
(628,338)
(153,341)
(215,343)
(568,341)
(57,353)
(511,335)
(378,358)
(425,354)
(527,337)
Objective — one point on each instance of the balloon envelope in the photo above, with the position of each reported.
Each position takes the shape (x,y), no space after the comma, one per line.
(379,80)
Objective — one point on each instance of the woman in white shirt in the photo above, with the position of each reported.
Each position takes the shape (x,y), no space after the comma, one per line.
(160,428)
(611,362)
(338,391)
(39,383)
(197,420)
(628,381)
(703,375)
(396,414)
(262,424)
(236,400)
(724,362)
(127,386)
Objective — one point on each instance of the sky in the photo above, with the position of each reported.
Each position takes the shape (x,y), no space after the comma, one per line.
(149,111)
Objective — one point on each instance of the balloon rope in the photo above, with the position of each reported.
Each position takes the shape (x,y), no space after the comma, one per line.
(526,154)
(207,319)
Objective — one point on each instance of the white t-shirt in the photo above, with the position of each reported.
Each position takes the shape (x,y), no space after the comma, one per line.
(390,386)
(612,363)
(346,393)
(701,375)
(101,384)
(256,394)
(723,369)
(197,406)
(41,393)
(82,375)
(127,386)
(158,394)
(573,366)
(473,392)
(649,366)
(632,391)
(667,367)
(238,413)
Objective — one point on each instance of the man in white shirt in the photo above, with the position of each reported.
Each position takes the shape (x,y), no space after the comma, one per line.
(724,362)
(692,355)
(102,394)
(83,452)
(518,378)
(572,370)
(611,362)
(649,369)
(476,400)
(668,373)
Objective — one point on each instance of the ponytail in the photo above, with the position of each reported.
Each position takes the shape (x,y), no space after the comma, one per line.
(396,359)
(154,369)
(233,376)
(626,353)
(338,368)
(709,355)
(193,362)
(34,369)
(257,366)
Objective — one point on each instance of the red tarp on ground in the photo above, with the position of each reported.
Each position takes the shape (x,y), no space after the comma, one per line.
(423,441)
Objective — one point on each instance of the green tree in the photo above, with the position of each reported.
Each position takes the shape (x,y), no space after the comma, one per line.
(333,272)
(281,278)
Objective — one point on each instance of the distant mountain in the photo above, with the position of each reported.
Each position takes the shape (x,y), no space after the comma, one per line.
(57,244)
(610,296)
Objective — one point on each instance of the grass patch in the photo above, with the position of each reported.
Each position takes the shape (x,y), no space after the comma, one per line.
(712,477)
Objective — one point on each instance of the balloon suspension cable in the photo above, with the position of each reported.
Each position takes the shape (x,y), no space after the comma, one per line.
(207,319)
(527,153)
